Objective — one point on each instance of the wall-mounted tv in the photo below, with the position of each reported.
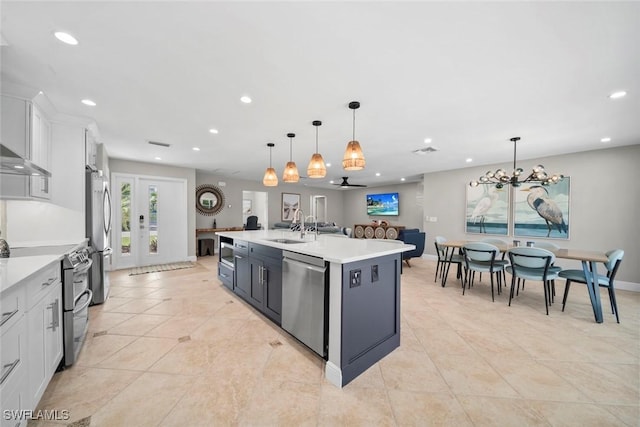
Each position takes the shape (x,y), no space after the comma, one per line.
(383,204)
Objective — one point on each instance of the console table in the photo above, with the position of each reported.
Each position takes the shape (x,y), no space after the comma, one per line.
(208,245)
(376,231)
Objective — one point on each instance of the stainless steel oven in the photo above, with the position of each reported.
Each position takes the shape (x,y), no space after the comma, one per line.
(76,296)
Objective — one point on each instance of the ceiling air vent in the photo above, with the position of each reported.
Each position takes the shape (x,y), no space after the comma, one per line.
(423,151)
(161,144)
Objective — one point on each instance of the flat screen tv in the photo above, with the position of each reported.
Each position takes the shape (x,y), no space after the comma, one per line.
(382,204)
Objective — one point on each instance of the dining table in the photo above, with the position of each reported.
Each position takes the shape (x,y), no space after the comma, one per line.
(588,258)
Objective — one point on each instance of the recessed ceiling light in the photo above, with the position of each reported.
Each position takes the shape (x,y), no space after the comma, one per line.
(377,173)
(214,131)
(331,182)
(35,174)
(66,38)
(402,179)
(469,160)
(619,94)
(158,158)
(607,139)
(196,148)
(88,102)
(18,167)
(427,140)
(328,165)
(245,99)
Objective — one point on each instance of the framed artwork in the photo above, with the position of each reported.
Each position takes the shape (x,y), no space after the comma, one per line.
(487,210)
(246,206)
(542,211)
(290,202)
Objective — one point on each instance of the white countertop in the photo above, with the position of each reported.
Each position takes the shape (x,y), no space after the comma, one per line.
(26,261)
(332,248)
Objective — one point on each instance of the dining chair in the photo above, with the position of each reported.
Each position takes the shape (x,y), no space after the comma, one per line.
(443,260)
(550,247)
(615,258)
(481,257)
(501,243)
(532,263)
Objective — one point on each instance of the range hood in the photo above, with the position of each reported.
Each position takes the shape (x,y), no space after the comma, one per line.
(12,164)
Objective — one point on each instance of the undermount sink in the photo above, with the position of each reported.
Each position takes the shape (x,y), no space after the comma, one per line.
(286,241)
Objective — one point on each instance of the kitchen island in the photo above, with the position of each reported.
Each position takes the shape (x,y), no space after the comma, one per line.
(360,301)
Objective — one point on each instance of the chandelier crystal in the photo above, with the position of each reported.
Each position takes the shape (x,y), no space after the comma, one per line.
(501,178)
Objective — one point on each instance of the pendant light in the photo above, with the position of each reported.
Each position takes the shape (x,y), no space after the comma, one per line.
(270,177)
(353,157)
(316,168)
(290,173)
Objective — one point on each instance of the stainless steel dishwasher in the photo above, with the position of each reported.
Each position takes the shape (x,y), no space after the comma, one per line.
(304,300)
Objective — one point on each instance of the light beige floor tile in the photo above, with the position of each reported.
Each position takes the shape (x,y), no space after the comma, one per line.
(178,326)
(145,402)
(371,378)
(138,305)
(492,345)
(293,363)
(603,383)
(534,380)
(188,358)
(494,411)
(354,407)
(472,375)
(98,348)
(427,409)
(138,325)
(141,354)
(408,339)
(133,292)
(213,400)
(114,302)
(102,321)
(82,391)
(411,371)
(445,341)
(627,414)
(575,414)
(217,329)
(282,404)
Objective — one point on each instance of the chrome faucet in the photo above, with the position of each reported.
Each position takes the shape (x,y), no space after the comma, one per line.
(298,215)
(314,220)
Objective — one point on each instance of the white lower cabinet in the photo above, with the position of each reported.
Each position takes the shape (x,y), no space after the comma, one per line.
(44,345)
(31,345)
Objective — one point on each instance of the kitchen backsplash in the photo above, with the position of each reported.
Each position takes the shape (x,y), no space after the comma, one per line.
(31,223)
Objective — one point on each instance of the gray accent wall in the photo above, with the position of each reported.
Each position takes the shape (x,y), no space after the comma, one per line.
(604,204)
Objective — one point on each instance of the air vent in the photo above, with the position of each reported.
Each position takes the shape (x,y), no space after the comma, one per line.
(423,151)
(161,144)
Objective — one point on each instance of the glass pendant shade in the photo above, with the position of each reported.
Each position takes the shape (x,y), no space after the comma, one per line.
(316,168)
(290,173)
(270,177)
(353,157)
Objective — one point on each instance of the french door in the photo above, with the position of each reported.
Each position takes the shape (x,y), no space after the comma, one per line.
(150,220)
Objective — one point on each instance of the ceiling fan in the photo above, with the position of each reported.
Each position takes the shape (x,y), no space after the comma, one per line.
(345,183)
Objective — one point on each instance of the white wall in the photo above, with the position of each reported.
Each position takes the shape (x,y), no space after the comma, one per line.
(32,223)
(154,169)
(604,203)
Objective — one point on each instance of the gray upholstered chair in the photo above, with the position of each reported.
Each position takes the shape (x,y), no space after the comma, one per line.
(533,264)
(482,257)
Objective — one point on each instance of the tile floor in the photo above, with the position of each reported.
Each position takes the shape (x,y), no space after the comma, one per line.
(177,348)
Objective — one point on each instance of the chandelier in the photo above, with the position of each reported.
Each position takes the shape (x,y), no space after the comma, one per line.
(500,177)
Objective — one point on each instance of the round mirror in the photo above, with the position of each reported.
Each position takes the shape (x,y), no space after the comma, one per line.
(209,199)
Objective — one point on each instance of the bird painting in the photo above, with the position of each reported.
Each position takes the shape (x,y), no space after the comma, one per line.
(538,199)
(483,206)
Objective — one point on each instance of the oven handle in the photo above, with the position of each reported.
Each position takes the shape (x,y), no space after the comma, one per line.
(83,267)
(77,310)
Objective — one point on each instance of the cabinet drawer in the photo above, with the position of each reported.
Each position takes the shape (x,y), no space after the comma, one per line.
(41,282)
(240,247)
(265,251)
(13,306)
(12,354)
(14,399)
(225,274)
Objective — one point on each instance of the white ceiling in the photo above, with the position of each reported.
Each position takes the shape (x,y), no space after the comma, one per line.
(467,75)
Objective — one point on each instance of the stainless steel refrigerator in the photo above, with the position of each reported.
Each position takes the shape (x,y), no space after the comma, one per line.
(98,229)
